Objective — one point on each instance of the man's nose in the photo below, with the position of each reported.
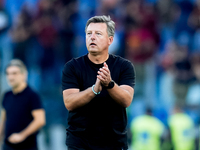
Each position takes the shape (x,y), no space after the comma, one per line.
(93,36)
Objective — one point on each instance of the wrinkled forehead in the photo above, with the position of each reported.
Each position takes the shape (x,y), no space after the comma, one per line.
(97,27)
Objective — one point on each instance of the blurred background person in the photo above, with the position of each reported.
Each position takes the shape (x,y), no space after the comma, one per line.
(22,114)
(147,132)
(182,130)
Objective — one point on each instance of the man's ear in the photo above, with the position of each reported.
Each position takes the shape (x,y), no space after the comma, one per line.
(110,40)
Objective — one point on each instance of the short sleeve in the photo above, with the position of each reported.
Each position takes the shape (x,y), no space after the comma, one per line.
(69,76)
(127,76)
(36,102)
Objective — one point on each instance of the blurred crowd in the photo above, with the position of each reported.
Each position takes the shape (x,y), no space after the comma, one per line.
(160,37)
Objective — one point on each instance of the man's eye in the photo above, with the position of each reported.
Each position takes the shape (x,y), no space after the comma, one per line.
(98,33)
(88,33)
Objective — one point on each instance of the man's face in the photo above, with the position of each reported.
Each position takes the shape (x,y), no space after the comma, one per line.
(97,39)
(14,76)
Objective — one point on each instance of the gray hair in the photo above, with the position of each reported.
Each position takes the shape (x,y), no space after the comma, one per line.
(18,63)
(103,19)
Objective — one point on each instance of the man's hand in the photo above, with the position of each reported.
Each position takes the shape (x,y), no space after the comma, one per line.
(98,87)
(16,138)
(104,75)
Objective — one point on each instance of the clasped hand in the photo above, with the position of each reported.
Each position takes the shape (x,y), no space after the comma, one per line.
(103,78)
(104,75)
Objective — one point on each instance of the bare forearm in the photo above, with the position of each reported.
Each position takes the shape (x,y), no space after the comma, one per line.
(121,95)
(34,126)
(75,100)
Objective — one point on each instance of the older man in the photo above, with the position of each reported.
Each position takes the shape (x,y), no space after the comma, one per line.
(97,88)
